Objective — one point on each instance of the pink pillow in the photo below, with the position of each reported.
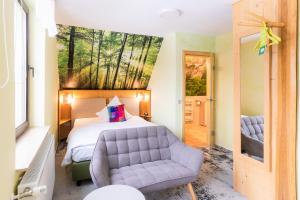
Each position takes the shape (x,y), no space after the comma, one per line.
(116,113)
(103,114)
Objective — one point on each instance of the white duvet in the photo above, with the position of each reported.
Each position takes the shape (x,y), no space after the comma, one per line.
(86,132)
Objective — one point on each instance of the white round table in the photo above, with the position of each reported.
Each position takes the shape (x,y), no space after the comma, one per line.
(115,192)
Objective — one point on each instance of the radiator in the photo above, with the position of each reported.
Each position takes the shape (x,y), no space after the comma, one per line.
(38,181)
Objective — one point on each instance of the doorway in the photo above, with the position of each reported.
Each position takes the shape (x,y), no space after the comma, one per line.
(198,98)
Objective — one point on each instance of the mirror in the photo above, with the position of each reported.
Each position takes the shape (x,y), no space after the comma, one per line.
(252,91)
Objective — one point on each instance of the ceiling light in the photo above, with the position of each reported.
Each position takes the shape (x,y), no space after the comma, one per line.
(170,13)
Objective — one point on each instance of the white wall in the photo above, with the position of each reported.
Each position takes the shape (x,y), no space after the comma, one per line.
(163,85)
(36,60)
(7,120)
(51,85)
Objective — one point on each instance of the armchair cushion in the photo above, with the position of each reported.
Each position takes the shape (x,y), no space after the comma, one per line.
(133,146)
(145,176)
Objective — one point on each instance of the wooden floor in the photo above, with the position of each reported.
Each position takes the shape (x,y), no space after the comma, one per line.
(196,135)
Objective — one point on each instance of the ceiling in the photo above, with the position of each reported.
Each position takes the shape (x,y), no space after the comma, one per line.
(206,17)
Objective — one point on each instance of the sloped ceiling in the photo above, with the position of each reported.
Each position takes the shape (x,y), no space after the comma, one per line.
(206,17)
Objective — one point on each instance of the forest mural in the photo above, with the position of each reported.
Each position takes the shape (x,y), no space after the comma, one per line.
(195,75)
(97,59)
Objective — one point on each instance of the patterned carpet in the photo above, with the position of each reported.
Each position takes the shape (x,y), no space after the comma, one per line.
(214,183)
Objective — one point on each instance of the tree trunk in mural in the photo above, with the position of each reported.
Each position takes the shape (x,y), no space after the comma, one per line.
(119,59)
(110,71)
(71,54)
(98,58)
(129,62)
(106,74)
(80,67)
(91,61)
(137,68)
(145,59)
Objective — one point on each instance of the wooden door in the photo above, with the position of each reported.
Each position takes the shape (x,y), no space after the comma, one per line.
(274,177)
(198,108)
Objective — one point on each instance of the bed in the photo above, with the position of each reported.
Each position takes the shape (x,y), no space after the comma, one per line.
(84,135)
(82,140)
(87,127)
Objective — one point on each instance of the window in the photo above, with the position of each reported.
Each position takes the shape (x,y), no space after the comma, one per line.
(21,67)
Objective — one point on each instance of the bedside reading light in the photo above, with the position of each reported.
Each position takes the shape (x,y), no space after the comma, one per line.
(70,99)
(61,99)
(140,97)
(66,99)
(146,97)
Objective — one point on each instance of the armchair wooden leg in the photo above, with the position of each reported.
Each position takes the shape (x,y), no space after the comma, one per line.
(191,191)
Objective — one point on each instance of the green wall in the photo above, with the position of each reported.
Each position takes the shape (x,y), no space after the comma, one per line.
(167,77)
(188,42)
(224,91)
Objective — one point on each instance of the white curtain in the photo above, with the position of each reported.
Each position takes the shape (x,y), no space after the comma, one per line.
(46,14)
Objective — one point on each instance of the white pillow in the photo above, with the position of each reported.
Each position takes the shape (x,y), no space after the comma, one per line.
(103,114)
(114,102)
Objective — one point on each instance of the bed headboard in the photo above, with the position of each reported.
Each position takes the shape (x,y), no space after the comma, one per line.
(75,104)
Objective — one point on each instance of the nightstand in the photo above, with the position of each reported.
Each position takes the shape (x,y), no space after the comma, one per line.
(64,128)
(146,117)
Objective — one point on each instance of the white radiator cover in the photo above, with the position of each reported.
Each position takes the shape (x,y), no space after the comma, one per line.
(41,171)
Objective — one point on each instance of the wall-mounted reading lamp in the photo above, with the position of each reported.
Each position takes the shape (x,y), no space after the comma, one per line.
(139,96)
(142,97)
(66,99)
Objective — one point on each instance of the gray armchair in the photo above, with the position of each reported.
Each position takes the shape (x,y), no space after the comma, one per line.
(147,158)
(252,129)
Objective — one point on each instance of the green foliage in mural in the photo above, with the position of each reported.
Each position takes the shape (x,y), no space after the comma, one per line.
(196,86)
(96,59)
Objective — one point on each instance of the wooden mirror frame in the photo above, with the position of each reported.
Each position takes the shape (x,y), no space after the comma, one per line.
(266,164)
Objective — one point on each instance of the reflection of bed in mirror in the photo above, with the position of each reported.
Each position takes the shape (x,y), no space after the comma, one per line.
(252,130)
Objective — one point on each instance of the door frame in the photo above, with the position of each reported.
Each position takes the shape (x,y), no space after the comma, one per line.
(212,92)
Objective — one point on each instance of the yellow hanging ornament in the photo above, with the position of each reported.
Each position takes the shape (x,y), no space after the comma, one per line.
(266,39)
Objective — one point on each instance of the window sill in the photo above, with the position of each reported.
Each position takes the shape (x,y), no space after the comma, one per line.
(27,146)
